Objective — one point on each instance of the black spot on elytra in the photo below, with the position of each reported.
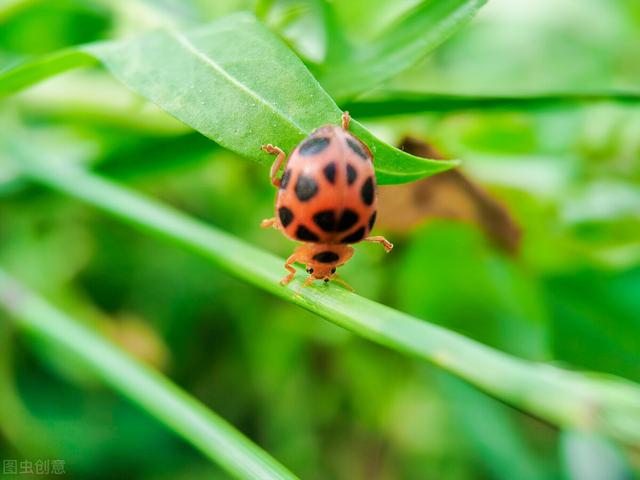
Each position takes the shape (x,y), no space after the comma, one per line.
(303,233)
(355,237)
(367,191)
(347,220)
(372,220)
(286,216)
(357,148)
(326,220)
(284,181)
(351,174)
(330,172)
(306,188)
(313,146)
(326,257)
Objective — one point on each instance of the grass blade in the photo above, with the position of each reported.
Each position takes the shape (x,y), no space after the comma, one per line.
(183,414)
(406,43)
(34,71)
(602,404)
(407,103)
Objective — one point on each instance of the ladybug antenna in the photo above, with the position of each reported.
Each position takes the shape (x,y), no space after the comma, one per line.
(336,278)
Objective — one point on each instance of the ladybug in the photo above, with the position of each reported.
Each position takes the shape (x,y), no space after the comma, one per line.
(326,199)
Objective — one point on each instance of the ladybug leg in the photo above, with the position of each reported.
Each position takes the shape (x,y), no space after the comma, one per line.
(277,162)
(346,118)
(269,223)
(292,271)
(378,239)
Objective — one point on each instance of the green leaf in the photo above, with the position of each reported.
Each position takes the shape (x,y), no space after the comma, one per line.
(400,47)
(606,405)
(234,82)
(183,414)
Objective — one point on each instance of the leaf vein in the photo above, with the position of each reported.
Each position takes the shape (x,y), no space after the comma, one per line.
(186,43)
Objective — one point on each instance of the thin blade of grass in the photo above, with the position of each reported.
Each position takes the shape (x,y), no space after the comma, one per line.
(183,414)
(33,71)
(407,42)
(401,103)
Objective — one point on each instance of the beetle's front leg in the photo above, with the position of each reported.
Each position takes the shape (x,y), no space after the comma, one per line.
(293,258)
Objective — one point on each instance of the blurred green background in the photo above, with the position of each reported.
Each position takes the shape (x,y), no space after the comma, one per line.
(326,403)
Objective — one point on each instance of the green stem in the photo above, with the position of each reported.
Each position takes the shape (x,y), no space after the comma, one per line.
(607,405)
(407,103)
(185,415)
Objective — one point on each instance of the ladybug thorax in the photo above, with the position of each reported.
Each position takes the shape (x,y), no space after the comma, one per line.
(327,191)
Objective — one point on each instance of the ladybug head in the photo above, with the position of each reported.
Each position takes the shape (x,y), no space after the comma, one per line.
(322,271)
(322,260)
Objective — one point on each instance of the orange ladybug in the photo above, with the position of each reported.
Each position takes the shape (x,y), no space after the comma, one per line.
(326,199)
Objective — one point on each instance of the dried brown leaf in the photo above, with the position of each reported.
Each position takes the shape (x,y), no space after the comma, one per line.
(449,195)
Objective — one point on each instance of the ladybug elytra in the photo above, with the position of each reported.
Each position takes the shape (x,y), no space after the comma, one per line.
(326,199)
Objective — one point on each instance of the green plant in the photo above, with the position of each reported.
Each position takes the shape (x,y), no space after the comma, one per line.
(238,84)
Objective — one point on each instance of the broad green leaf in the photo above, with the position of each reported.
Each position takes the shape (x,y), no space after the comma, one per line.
(183,414)
(607,405)
(233,81)
(400,47)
